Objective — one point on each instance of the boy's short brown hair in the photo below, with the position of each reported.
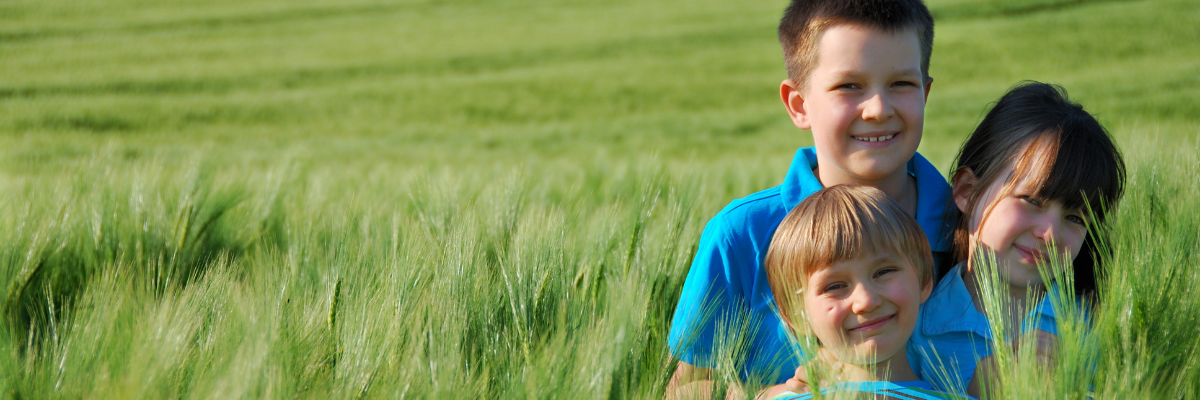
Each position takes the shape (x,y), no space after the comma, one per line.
(837,224)
(804,21)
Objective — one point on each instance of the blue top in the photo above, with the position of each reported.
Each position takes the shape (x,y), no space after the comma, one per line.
(726,295)
(892,390)
(960,334)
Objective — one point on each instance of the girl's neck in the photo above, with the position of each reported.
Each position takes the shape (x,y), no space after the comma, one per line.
(1018,299)
(895,369)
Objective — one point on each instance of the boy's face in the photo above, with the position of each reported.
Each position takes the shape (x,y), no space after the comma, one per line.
(864,309)
(864,102)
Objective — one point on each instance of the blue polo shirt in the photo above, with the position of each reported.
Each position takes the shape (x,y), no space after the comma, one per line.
(726,313)
(950,324)
(892,390)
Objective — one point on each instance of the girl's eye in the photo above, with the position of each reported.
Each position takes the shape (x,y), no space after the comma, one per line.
(1031,200)
(1077,220)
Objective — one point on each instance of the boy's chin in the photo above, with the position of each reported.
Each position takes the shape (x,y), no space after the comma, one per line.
(866,356)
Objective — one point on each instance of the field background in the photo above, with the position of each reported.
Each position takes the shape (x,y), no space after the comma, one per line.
(373,199)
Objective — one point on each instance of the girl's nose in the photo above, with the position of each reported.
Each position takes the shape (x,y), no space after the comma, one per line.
(1048,225)
(864,300)
(877,108)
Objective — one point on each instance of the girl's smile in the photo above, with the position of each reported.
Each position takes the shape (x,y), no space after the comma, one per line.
(1020,228)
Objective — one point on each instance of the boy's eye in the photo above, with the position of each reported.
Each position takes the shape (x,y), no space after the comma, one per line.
(884,271)
(832,286)
(848,86)
(905,83)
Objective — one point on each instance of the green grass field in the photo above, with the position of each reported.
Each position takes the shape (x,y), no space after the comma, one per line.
(364,199)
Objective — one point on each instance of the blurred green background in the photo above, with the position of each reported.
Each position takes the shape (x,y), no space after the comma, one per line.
(363,85)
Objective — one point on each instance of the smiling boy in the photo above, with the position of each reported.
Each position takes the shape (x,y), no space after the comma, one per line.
(858,79)
(849,267)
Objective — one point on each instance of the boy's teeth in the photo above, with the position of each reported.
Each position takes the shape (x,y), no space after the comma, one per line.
(874,139)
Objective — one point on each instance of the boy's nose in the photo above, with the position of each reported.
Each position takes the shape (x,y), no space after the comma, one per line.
(877,107)
(864,300)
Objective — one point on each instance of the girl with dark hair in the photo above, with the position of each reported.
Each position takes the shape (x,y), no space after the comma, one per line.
(1032,183)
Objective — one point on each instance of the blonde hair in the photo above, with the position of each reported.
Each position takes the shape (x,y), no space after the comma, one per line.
(836,224)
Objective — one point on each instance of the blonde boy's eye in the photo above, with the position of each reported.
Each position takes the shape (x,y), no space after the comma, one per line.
(833,286)
(885,271)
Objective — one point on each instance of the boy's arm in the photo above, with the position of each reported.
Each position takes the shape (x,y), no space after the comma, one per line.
(707,292)
(710,293)
(692,382)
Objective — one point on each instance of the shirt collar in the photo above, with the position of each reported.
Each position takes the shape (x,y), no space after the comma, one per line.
(950,309)
(933,194)
(800,181)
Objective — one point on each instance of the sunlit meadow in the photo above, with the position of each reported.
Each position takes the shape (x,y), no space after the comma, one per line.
(367,199)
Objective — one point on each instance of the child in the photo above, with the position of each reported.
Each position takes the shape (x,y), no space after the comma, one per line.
(850,267)
(1023,183)
(858,79)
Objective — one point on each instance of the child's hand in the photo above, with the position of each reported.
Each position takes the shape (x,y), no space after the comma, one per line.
(800,383)
(1046,349)
(1047,346)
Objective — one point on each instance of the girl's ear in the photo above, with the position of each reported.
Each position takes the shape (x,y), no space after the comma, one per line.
(926,290)
(964,188)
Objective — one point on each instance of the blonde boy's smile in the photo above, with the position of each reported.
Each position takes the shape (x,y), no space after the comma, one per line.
(865,309)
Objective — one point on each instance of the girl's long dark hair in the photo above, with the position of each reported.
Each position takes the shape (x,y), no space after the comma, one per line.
(1039,130)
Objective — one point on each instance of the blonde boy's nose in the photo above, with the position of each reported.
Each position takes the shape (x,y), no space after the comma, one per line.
(863,299)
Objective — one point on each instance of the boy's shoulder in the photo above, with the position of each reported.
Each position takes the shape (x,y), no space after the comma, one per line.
(760,212)
(763,203)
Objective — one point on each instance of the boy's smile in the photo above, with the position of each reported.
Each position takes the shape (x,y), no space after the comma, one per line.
(865,309)
(864,102)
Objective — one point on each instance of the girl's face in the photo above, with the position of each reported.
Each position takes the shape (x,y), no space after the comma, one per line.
(1021,229)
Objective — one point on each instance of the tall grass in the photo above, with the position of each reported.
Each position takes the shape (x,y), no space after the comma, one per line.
(1141,337)
(141,281)
(132,280)
(314,199)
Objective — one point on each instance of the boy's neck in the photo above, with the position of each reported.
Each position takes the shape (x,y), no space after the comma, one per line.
(898,185)
(895,369)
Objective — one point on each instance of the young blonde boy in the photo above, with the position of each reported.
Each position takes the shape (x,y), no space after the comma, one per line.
(858,79)
(850,267)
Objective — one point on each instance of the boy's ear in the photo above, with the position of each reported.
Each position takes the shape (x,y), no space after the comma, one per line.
(793,100)
(928,83)
(964,187)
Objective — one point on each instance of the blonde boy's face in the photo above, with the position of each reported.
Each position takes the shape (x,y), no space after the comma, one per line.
(864,310)
(864,102)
